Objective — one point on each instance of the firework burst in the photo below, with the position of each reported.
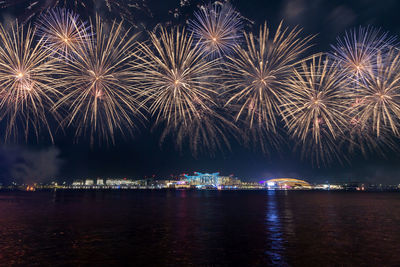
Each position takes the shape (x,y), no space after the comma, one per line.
(356,51)
(27,82)
(256,75)
(62,31)
(179,81)
(177,77)
(99,83)
(377,100)
(217,27)
(314,108)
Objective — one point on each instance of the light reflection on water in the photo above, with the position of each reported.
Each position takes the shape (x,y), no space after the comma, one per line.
(274,231)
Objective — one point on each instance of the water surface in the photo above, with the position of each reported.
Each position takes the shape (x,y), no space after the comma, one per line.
(180,228)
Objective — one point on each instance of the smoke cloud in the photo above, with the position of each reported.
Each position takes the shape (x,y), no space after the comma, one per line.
(29,165)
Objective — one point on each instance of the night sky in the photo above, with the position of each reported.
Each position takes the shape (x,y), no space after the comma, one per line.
(143,156)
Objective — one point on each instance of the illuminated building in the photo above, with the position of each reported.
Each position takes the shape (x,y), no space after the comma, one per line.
(286,183)
(328,187)
(89,182)
(100,181)
(118,182)
(182,185)
(203,179)
(229,181)
(77,183)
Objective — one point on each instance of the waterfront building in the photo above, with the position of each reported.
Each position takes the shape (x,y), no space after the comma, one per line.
(120,182)
(286,183)
(77,183)
(89,182)
(182,185)
(203,179)
(328,186)
(251,185)
(229,181)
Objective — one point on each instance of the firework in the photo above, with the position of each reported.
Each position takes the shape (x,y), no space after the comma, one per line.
(179,80)
(256,74)
(208,132)
(177,77)
(129,10)
(31,9)
(356,51)
(100,95)
(362,54)
(62,31)
(314,108)
(360,137)
(27,84)
(217,27)
(377,99)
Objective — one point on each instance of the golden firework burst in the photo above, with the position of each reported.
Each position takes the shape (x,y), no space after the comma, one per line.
(28,86)
(179,81)
(62,31)
(378,97)
(181,86)
(256,74)
(314,106)
(99,81)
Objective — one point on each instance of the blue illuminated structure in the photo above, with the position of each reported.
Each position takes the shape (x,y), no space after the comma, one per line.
(204,179)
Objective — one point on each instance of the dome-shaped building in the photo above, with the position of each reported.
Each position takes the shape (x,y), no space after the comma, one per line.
(287,183)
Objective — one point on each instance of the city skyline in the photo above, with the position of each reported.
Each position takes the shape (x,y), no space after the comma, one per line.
(143,156)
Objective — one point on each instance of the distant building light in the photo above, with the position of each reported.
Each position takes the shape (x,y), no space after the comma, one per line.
(89,182)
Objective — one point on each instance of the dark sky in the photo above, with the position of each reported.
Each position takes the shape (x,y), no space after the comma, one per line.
(142,156)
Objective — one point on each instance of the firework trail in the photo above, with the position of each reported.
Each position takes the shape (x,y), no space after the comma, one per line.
(27,85)
(360,137)
(314,108)
(62,31)
(207,133)
(218,28)
(100,93)
(129,10)
(257,72)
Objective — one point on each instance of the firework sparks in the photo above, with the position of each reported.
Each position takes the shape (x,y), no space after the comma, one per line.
(129,10)
(27,86)
(360,137)
(179,80)
(62,31)
(356,51)
(217,27)
(378,98)
(100,94)
(256,74)
(207,133)
(177,77)
(362,54)
(314,108)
